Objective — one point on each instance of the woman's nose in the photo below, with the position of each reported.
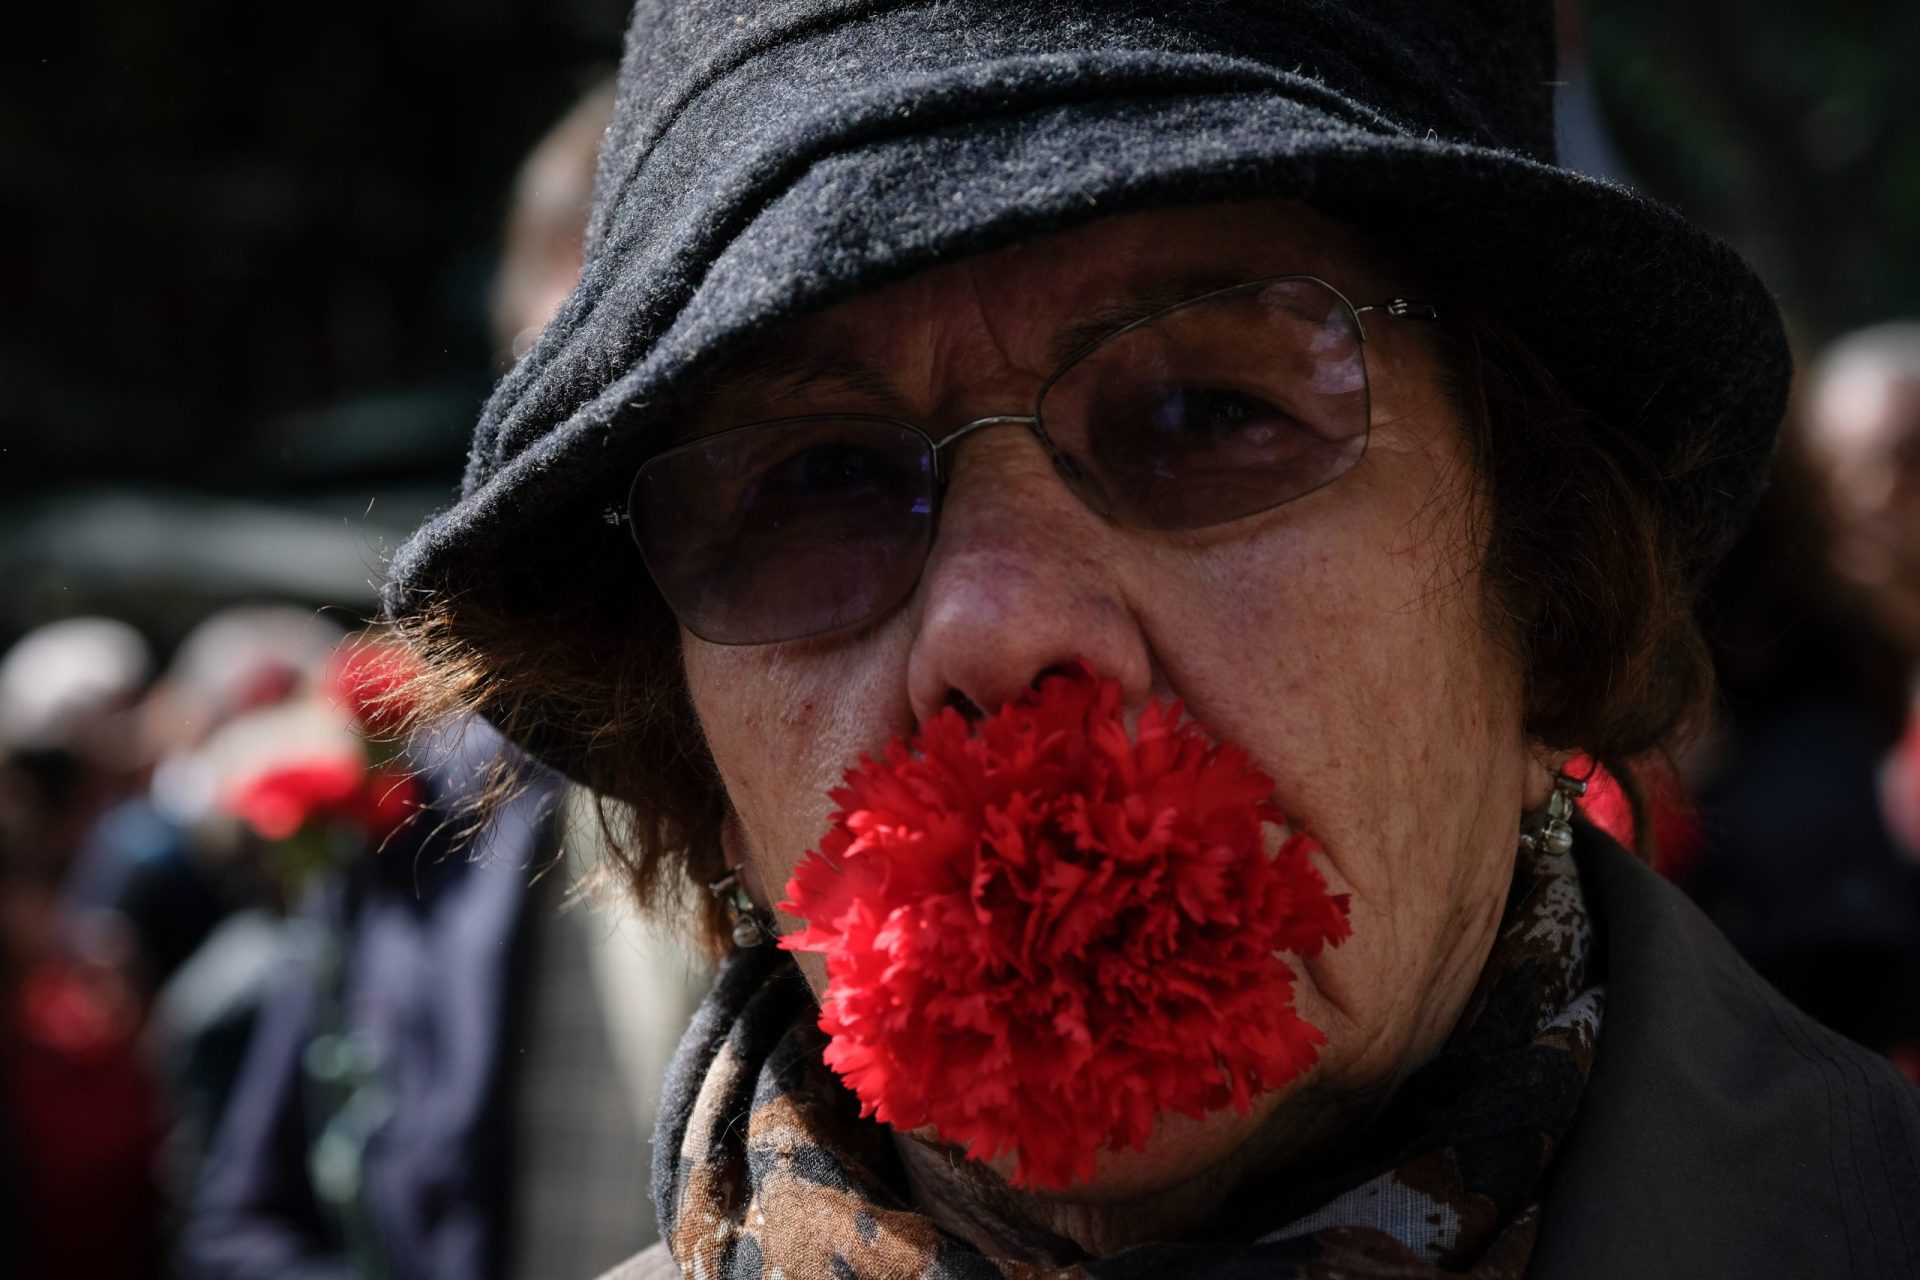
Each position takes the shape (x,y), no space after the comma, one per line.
(1022,580)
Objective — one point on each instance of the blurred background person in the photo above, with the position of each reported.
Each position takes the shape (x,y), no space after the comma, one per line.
(458,1077)
(1863,445)
(68,693)
(153,872)
(207,899)
(80,1115)
(546,227)
(365,1134)
(1809,786)
(164,891)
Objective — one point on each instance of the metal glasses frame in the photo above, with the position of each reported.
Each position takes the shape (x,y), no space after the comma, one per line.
(1063,463)
(1399,307)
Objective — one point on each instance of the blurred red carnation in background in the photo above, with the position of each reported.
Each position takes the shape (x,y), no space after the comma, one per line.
(370,677)
(1675,825)
(277,802)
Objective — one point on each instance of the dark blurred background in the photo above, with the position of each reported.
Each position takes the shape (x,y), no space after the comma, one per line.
(244,256)
(1790,127)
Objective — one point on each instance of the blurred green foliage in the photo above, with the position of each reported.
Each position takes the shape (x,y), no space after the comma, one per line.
(1790,126)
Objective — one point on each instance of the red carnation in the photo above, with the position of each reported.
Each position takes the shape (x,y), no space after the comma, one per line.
(1041,934)
(279,801)
(373,679)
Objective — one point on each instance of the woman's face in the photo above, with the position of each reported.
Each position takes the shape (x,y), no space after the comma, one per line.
(1344,639)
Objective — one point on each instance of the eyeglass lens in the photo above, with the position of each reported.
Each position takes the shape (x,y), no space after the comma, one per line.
(789,529)
(1207,412)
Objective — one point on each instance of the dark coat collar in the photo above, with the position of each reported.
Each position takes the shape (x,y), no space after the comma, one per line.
(1724,1133)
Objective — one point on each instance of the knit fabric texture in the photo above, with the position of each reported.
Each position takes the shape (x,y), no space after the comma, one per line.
(769,157)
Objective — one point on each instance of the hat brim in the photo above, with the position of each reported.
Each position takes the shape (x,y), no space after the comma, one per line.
(1646,320)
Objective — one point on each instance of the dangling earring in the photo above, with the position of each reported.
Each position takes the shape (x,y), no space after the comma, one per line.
(1552,829)
(748,928)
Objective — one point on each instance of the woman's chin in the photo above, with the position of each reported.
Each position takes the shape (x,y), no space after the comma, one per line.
(1181,1150)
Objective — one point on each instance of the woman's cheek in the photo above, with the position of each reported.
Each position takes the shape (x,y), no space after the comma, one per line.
(783,723)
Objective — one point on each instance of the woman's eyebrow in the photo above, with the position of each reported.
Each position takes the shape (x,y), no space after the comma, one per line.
(794,369)
(1137,304)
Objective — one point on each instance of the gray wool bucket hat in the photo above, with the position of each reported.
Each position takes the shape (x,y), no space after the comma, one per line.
(767,159)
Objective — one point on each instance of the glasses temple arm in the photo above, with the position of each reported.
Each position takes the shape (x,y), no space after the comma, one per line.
(1402,307)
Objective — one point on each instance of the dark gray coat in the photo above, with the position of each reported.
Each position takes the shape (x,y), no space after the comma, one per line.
(1723,1133)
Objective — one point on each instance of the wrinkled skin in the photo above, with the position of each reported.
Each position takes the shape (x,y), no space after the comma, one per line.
(1347,640)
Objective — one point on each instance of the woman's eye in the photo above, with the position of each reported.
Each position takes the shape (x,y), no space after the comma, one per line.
(829,467)
(1208,414)
(1232,427)
(823,471)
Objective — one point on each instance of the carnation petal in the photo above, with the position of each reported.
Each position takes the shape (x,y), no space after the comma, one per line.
(1042,932)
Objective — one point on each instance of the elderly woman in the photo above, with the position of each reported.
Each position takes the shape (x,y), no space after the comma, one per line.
(1254,356)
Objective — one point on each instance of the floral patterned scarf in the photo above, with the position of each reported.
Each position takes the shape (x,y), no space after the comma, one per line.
(763,1168)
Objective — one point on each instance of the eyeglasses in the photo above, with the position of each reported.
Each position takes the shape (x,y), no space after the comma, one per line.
(1206,411)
